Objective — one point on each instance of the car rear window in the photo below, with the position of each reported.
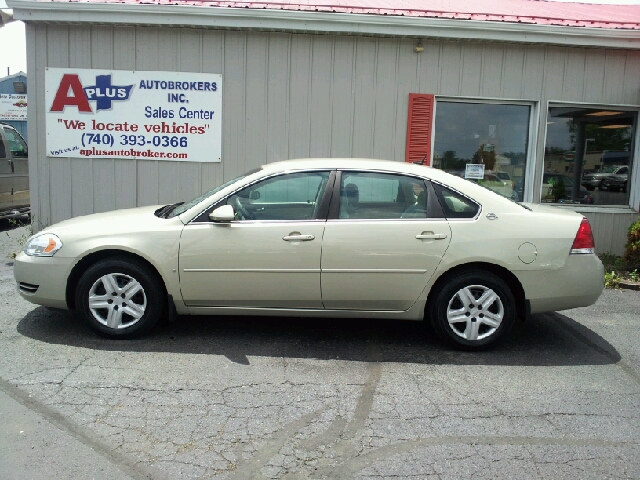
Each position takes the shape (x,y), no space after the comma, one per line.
(454,204)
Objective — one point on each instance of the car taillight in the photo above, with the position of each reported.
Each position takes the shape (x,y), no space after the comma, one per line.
(584,239)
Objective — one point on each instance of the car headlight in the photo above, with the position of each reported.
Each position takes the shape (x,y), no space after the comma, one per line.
(45,245)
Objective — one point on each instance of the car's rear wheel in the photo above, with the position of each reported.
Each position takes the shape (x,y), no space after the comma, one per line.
(120,298)
(473,310)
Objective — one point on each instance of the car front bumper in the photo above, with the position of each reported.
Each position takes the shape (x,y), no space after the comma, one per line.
(43,280)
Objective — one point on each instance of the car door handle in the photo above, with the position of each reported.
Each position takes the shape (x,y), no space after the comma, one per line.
(298,238)
(431,236)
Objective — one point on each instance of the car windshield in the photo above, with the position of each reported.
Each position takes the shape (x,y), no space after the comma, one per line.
(609,169)
(181,208)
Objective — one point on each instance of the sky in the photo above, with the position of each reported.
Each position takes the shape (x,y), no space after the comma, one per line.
(15,57)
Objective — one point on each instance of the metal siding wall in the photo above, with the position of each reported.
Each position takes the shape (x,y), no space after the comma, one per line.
(211,174)
(513,71)
(104,170)
(631,76)
(234,105)
(190,60)
(293,95)
(299,96)
(450,68)
(471,73)
(386,75)
(277,99)
(321,90)
(407,81)
(342,103)
(255,92)
(125,171)
(610,230)
(365,99)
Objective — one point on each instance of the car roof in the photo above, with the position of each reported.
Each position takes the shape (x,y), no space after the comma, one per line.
(358,164)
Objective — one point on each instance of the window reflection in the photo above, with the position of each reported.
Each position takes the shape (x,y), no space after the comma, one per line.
(493,135)
(590,148)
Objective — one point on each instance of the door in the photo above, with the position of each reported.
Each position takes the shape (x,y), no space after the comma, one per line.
(384,244)
(269,256)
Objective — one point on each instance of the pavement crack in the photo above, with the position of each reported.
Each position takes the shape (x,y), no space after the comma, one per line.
(63,423)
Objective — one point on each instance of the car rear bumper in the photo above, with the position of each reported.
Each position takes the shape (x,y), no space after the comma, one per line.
(579,283)
(42,280)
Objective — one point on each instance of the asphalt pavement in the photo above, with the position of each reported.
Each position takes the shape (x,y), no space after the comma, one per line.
(236,398)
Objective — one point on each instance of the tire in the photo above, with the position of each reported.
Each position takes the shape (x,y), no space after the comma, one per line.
(476,329)
(140,298)
(591,188)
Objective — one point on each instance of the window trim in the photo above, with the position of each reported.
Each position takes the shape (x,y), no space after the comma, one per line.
(532,138)
(633,199)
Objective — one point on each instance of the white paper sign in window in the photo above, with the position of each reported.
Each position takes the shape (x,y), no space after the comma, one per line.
(474,171)
(125,114)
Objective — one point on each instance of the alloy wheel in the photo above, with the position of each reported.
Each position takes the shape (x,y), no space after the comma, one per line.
(475,312)
(117,300)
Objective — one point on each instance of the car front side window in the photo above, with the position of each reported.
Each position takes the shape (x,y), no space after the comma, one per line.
(294,196)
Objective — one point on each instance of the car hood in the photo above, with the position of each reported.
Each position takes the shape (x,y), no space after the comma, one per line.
(109,223)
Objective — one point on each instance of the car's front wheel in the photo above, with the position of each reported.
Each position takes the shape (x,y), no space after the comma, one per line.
(120,298)
(473,310)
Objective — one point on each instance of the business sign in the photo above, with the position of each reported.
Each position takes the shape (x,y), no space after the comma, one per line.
(123,114)
(13,107)
(474,171)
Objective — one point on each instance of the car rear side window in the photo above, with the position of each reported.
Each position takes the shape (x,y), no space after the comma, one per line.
(454,204)
(381,196)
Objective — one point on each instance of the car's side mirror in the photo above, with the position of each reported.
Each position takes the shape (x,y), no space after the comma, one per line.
(224,213)
(254,195)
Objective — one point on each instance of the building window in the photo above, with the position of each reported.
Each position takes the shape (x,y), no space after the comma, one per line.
(588,155)
(493,135)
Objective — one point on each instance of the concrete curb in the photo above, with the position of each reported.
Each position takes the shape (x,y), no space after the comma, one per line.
(629,285)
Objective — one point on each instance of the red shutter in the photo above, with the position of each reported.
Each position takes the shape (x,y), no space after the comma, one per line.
(419,128)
